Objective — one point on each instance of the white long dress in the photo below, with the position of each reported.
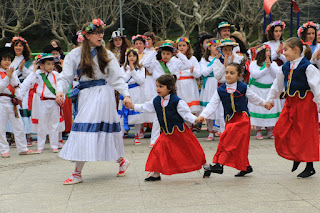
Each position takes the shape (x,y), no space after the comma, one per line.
(96,133)
(261,79)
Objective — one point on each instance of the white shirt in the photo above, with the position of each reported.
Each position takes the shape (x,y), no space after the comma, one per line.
(274,45)
(35,78)
(25,71)
(196,69)
(182,108)
(219,69)
(266,75)
(215,100)
(205,70)
(313,79)
(175,65)
(316,61)
(4,83)
(134,76)
(113,73)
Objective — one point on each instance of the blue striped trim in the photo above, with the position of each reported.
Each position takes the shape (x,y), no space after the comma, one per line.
(96,127)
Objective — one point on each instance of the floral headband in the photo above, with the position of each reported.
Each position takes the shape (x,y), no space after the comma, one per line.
(213,42)
(306,26)
(93,25)
(137,36)
(131,49)
(14,39)
(259,49)
(274,24)
(80,38)
(183,39)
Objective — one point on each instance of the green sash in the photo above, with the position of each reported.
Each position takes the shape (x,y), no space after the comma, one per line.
(47,83)
(28,63)
(252,81)
(165,68)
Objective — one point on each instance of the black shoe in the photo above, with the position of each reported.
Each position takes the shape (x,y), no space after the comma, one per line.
(152,178)
(243,173)
(295,166)
(217,168)
(206,173)
(307,173)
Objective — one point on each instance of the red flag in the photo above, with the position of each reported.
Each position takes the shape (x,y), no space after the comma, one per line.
(267,4)
(295,6)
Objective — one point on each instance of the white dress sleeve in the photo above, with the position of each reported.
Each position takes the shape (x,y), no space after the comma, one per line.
(256,72)
(218,69)
(4,83)
(14,80)
(277,87)
(149,62)
(254,98)
(313,78)
(68,73)
(28,83)
(27,71)
(184,111)
(205,69)
(145,107)
(185,63)
(138,75)
(196,67)
(212,105)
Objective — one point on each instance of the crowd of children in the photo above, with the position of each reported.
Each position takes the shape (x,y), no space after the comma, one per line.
(274,86)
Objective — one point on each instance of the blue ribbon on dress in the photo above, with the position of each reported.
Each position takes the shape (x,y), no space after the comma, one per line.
(125,112)
(210,75)
(83,85)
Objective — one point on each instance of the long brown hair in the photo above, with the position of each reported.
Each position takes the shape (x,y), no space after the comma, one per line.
(305,32)
(136,63)
(261,57)
(189,52)
(26,49)
(125,45)
(207,52)
(296,42)
(86,63)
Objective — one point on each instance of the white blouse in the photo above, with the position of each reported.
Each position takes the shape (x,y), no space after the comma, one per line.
(196,69)
(274,45)
(313,78)
(215,100)
(113,72)
(134,76)
(182,108)
(266,75)
(4,83)
(219,69)
(25,71)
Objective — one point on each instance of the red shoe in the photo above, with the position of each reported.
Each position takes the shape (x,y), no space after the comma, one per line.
(73,179)
(210,136)
(259,135)
(141,135)
(28,152)
(136,140)
(5,155)
(60,145)
(123,166)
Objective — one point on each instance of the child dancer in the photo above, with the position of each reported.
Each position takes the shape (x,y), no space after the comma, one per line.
(209,84)
(176,150)
(135,77)
(96,132)
(296,132)
(274,36)
(233,147)
(9,82)
(162,62)
(48,111)
(187,87)
(150,40)
(262,73)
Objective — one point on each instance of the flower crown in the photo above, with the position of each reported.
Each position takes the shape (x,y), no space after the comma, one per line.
(93,25)
(306,26)
(80,37)
(213,42)
(183,39)
(131,48)
(259,49)
(274,24)
(14,39)
(137,36)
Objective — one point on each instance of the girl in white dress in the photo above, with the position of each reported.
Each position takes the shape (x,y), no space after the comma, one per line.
(187,87)
(135,77)
(263,71)
(96,132)
(210,83)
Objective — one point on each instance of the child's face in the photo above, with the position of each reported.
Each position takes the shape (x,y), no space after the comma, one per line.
(48,65)
(204,44)
(311,34)
(139,45)
(149,42)
(18,49)
(55,53)
(132,58)
(225,32)
(291,53)
(5,62)
(117,42)
(232,74)
(183,47)
(268,53)
(213,49)
(227,50)
(162,90)
(277,33)
(166,55)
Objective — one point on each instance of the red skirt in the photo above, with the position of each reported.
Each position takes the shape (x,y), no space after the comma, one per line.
(67,113)
(233,148)
(297,130)
(180,152)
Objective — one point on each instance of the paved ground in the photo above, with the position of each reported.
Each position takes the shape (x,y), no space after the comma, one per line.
(34,184)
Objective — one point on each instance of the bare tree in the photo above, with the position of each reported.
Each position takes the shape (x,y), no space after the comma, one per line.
(17,16)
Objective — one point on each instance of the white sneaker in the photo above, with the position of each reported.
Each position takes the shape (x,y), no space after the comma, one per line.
(123,166)
(73,179)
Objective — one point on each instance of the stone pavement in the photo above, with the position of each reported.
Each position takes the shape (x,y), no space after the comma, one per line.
(34,184)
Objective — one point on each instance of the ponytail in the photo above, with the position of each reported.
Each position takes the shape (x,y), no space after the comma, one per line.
(304,47)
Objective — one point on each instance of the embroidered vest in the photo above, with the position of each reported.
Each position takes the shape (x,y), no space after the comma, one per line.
(297,82)
(168,116)
(233,102)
